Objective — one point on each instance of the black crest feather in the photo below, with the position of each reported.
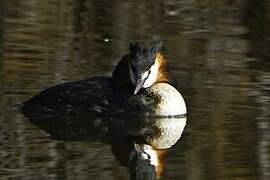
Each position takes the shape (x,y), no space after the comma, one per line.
(143,57)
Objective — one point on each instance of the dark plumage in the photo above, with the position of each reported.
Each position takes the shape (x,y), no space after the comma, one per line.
(93,95)
(129,70)
(142,58)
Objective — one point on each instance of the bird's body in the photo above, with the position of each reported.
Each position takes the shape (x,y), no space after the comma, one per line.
(93,95)
(160,99)
(139,85)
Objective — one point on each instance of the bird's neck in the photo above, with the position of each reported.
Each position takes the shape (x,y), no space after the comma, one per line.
(120,76)
(163,76)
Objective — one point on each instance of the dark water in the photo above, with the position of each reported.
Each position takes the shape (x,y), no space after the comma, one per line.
(218,53)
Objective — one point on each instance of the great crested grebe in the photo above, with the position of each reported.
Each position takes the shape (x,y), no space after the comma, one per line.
(139,85)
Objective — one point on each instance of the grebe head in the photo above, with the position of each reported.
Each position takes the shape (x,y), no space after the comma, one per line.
(144,65)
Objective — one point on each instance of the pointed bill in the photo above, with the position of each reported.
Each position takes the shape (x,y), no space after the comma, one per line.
(139,85)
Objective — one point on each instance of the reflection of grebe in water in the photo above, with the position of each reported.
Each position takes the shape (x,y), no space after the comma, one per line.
(144,152)
(140,144)
(148,159)
(146,162)
(139,85)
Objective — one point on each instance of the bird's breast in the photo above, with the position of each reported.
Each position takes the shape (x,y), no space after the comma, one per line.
(161,99)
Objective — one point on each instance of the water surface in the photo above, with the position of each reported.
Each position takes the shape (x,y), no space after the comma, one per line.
(218,54)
